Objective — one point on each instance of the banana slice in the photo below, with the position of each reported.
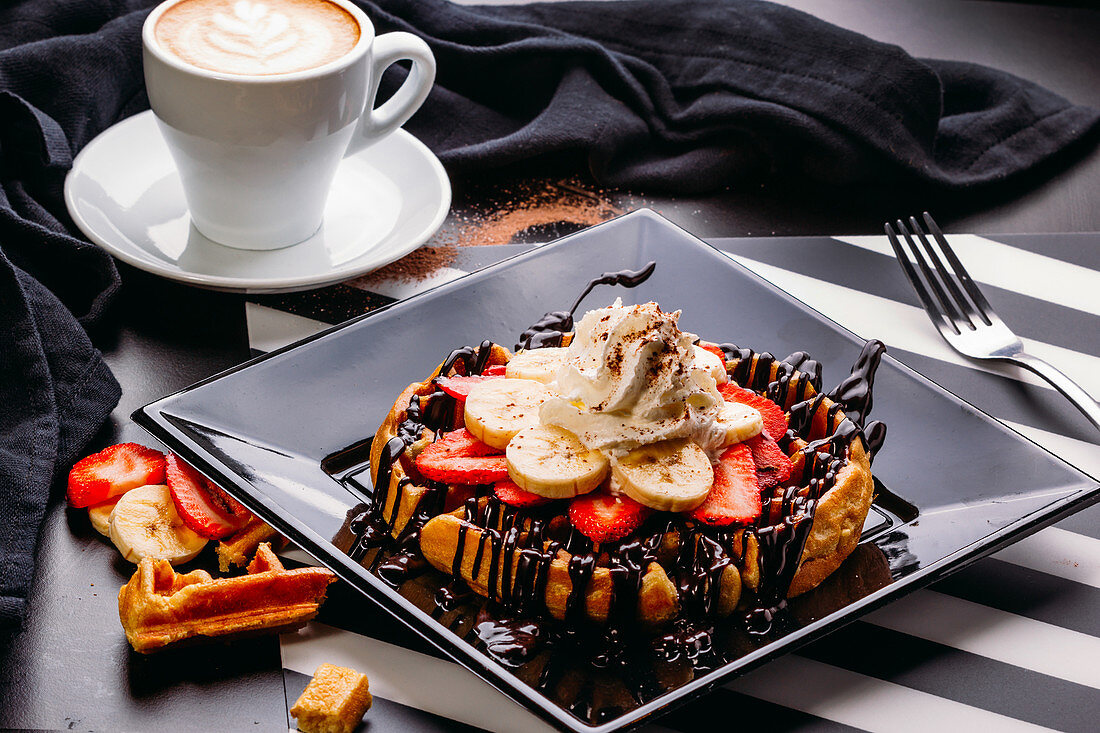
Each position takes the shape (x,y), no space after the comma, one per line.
(670,476)
(497,409)
(740,422)
(710,362)
(100,515)
(145,523)
(552,462)
(538,364)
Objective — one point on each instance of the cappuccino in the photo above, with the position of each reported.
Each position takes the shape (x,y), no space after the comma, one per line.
(257,37)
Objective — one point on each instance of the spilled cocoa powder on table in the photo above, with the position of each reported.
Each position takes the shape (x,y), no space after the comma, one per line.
(530,212)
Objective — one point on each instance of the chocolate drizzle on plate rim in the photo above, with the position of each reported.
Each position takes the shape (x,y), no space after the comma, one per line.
(513,626)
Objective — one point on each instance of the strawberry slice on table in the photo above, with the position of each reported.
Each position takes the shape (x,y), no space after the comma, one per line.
(460,458)
(228,504)
(202,506)
(113,471)
(459,386)
(773,467)
(511,494)
(775,422)
(601,517)
(735,497)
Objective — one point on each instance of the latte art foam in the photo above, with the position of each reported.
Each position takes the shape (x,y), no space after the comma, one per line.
(257,37)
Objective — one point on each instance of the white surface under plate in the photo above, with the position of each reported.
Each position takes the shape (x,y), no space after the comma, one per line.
(125,195)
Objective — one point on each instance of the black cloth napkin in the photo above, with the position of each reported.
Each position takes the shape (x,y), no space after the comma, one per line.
(680,95)
(55,390)
(693,95)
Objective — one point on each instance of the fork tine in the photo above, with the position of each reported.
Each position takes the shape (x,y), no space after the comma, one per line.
(950,311)
(983,307)
(938,318)
(968,311)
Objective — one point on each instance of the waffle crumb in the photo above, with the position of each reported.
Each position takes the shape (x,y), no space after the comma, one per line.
(334,701)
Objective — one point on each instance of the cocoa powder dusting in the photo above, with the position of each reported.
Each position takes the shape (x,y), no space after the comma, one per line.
(528,212)
(420,264)
(535,212)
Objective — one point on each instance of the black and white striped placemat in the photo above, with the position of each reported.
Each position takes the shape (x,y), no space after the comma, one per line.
(1009,643)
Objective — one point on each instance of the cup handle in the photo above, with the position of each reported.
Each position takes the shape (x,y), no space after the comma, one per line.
(390,48)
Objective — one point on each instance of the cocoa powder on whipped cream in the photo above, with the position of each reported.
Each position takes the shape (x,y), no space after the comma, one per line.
(631,377)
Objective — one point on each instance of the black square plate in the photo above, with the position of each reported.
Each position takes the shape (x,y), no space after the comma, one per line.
(954,484)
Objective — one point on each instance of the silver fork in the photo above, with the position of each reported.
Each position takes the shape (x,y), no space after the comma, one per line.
(967,322)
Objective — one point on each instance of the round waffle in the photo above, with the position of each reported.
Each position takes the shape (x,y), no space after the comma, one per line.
(466,535)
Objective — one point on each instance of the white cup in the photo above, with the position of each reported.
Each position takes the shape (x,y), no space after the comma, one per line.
(257,154)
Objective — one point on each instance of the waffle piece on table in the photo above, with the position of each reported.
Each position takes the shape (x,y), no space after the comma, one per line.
(334,701)
(159,607)
(238,547)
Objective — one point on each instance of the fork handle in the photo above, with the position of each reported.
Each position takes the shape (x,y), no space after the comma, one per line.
(1072,391)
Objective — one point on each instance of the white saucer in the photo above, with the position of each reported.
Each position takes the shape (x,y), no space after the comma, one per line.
(124,194)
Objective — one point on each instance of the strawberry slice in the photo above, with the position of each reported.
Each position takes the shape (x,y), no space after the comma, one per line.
(113,471)
(735,498)
(497,370)
(228,504)
(457,496)
(460,458)
(512,495)
(462,469)
(714,349)
(459,420)
(459,387)
(193,495)
(773,467)
(601,517)
(461,443)
(775,422)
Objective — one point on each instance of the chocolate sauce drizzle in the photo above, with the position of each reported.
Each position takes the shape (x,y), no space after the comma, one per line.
(524,543)
(784,525)
(856,392)
(548,330)
(435,412)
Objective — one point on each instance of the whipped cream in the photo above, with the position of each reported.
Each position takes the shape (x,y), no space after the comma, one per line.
(630,378)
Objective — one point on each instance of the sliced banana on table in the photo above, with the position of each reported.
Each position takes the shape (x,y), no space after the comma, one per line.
(145,523)
(497,409)
(740,422)
(538,364)
(670,476)
(552,462)
(710,362)
(100,515)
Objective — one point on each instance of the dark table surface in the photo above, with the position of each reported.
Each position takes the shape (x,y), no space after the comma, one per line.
(71,668)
